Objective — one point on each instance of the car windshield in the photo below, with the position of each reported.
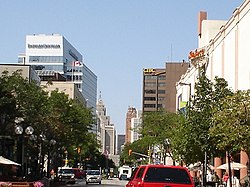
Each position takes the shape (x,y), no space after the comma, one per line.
(169,175)
(93,173)
(66,171)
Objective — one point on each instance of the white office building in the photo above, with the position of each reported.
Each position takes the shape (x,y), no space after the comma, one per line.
(136,123)
(107,132)
(46,53)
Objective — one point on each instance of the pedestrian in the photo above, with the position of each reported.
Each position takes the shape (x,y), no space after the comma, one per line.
(235,182)
(209,176)
(52,174)
(216,177)
(225,178)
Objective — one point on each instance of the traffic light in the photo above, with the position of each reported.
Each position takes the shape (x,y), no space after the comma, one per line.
(149,153)
(78,150)
(129,152)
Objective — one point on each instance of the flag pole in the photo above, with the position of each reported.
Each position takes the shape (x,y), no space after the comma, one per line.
(73,65)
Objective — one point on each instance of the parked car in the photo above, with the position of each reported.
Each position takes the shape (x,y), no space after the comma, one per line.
(66,174)
(79,173)
(160,176)
(93,176)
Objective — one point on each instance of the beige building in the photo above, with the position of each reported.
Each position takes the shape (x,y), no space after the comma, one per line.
(68,88)
(26,71)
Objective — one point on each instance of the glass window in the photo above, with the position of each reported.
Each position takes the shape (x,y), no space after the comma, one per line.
(140,173)
(150,91)
(159,105)
(150,84)
(169,175)
(133,173)
(161,84)
(46,59)
(149,98)
(149,105)
(150,77)
(161,77)
(161,92)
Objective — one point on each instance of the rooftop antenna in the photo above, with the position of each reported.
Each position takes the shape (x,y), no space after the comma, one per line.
(171,50)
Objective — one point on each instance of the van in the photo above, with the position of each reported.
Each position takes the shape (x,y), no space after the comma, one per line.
(124,172)
(161,176)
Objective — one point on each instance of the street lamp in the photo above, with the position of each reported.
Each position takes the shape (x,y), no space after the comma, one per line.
(52,142)
(19,131)
(157,86)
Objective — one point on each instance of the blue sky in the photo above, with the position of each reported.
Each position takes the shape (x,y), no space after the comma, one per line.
(117,38)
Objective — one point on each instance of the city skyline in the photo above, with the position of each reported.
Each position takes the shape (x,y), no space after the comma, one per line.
(116,38)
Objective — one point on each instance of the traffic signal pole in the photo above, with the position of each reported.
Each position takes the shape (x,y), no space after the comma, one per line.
(136,153)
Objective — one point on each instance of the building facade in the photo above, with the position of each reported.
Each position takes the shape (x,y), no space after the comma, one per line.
(107,132)
(159,86)
(131,113)
(68,88)
(47,53)
(135,127)
(223,48)
(120,143)
(26,71)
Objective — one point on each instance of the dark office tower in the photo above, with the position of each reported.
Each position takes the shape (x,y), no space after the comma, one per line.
(159,86)
(120,142)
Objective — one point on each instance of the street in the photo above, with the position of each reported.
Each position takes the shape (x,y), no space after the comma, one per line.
(114,182)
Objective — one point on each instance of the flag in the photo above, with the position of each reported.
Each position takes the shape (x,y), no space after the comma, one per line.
(77,63)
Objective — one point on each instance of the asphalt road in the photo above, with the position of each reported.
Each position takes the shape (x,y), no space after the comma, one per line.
(114,182)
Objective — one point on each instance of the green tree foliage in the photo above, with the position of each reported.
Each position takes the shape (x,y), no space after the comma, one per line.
(140,146)
(8,110)
(192,138)
(157,129)
(26,101)
(55,115)
(157,126)
(231,126)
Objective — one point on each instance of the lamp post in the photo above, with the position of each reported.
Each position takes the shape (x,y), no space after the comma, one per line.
(166,145)
(19,131)
(52,142)
(157,86)
(42,138)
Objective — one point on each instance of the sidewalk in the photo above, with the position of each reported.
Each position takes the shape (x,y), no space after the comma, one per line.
(114,181)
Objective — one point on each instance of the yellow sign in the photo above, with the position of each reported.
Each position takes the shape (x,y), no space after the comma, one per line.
(149,70)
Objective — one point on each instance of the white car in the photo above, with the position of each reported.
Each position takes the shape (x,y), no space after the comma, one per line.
(93,176)
(66,174)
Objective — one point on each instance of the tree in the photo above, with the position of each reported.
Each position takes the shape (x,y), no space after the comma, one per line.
(55,115)
(156,129)
(192,136)
(231,125)
(27,101)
